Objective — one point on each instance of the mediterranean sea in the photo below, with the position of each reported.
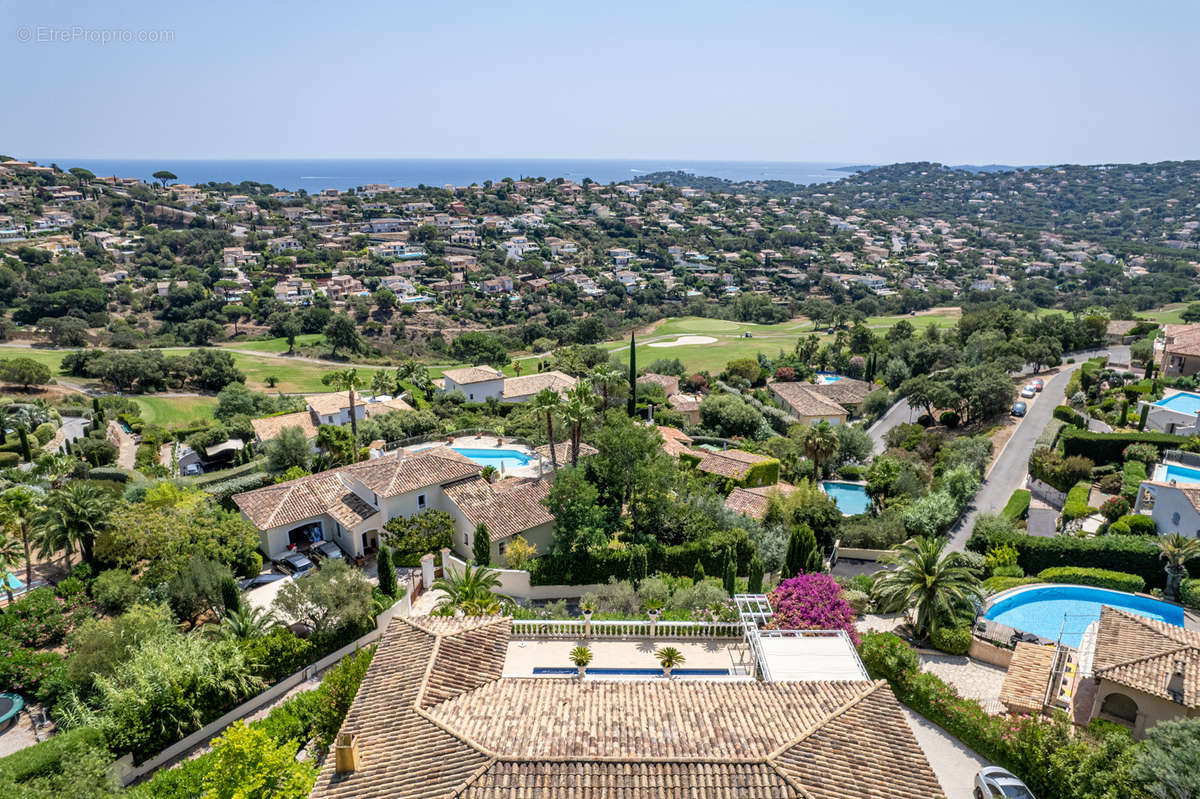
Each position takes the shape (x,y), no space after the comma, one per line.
(313,175)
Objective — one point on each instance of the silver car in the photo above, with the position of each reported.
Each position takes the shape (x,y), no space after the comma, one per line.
(993,782)
(326,550)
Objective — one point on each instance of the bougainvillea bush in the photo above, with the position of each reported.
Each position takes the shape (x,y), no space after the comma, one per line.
(812,602)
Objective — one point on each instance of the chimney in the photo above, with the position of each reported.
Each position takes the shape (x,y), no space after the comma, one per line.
(1175,683)
(345,753)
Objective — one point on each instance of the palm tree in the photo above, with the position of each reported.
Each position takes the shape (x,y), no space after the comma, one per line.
(347,380)
(72,517)
(581,656)
(382,383)
(247,623)
(669,657)
(576,413)
(604,379)
(469,590)
(416,374)
(548,401)
(56,467)
(22,504)
(1177,550)
(936,585)
(819,442)
(10,555)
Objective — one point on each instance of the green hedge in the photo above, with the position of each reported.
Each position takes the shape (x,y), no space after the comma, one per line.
(1050,433)
(1017,505)
(1134,554)
(1107,447)
(952,640)
(679,560)
(1133,473)
(1076,506)
(227,488)
(1189,593)
(114,473)
(1134,524)
(8,459)
(995,584)
(1100,578)
(1064,413)
(45,758)
(761,474)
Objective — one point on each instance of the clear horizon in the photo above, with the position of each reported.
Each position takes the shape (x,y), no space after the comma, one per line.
(767,81)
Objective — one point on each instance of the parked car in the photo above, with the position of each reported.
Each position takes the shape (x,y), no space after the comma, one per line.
(192,468)
(295,564)
(265,578)
(1029,391)
(326,550)
(1019,408)
(993,782)
(1037,383)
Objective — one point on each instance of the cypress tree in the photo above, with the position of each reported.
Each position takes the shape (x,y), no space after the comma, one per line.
(26,452)
(231,597)
(631,404)
(1142,418)
(729,578)
(803,555)
(754,581)
(387,572)
(698,573)
(638,566)
(482,548)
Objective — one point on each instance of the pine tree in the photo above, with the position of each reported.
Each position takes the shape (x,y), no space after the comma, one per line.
(387,572)
(803,555)
(698,573)
(482,547)
(754,580)
(631,403)
(637,566)
(729,578)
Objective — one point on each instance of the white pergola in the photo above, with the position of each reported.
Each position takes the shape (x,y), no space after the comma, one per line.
(796,655)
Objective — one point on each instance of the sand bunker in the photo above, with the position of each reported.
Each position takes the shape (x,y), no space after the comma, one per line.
(685,340)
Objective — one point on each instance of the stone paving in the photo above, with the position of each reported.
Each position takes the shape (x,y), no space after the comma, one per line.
(974,680)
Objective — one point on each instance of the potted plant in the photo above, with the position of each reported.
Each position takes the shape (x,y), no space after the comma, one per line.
(581,656)
(653,610)
(669,657)
(588,609)
(1177,550)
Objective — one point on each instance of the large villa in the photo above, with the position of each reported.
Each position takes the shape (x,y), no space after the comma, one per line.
(449,709)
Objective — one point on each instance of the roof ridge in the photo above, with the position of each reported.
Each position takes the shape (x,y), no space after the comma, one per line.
(875,685)
(1147,658)
(469,781)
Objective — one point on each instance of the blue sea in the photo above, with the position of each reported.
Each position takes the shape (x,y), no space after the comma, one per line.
(313,175)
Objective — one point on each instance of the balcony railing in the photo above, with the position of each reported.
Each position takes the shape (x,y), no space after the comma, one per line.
(575,628)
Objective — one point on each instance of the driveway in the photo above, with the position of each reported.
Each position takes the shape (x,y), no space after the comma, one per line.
(1008,471)
(900,413)
(953,764)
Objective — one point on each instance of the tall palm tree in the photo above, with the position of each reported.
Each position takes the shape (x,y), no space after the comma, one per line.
(935,585)
(819,442)
(604,379)
(469,590)
(1177,550)
(548,401)
(10,555)
(577,411)
(73,516)
(347,380)
(22,504)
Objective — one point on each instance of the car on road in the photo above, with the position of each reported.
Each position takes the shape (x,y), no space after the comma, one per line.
(1029,392)
(325,550)
(1037,383)
(993,782)
(295,564)
(1019,408)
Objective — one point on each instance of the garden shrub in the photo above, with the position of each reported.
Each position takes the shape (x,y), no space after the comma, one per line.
(1017,505)
(1119,527)
(41,618)
(114,590)
(1140,524)
(45,433)
(9,459)
(1108,447)
(45,758)
(949,419)
(1133,475)
(1146,453)
(994,584)
(1008,571)
(1064,413)
(952,640)
(114,473)
(886,656)
(1114,508)
(278,654)
(880,532)
(1058,471)
(1076,506)
(812,602)
(1099,578)
(1189,593)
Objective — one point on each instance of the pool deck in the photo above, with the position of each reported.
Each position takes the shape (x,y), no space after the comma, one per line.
(524,654)
(488,442)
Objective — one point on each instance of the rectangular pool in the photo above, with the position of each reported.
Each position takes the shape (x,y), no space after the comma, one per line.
(496,457)
(1166,472)
(1183,402)
(571,671)
(851,498)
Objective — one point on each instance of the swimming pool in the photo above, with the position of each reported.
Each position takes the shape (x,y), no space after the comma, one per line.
(851,498)
(496,457)
(14,583)
(571,671)
(1046,610)
(1184,402)
(825,378)
(1166,472)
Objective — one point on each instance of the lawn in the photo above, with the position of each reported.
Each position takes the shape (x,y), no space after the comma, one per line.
(1166,315)
(168,411)
(278,345)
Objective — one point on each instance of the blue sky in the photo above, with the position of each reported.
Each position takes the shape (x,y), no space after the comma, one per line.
(870,82)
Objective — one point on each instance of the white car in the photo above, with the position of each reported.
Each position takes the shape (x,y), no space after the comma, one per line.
(993,782)
(1029,391)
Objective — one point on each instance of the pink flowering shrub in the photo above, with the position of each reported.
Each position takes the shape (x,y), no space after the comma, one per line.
(812,602)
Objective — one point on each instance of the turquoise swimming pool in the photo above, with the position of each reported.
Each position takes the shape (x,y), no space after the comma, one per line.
(851,498)
(1166,472)
(496,457)
(1184,402)
(1047,610)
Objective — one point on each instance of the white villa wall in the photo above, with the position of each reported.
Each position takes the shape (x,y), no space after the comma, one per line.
(515,584)
(478,392)
(1173,512)
(1165,420)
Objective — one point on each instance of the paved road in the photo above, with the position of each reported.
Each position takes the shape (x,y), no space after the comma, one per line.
(953,763)
(1009,470)
(900,413)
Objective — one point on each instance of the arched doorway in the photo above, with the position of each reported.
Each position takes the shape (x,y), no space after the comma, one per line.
(1120,707)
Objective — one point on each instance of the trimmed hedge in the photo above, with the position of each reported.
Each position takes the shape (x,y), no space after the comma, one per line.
(1133,473)
(1189,593)
(952,640)
(8,459)
(761,474)
(1099,578)
(224,490)
(678,561)
(1017,505)
(1133,554)
(114,473)
(994,584)
(1064,413)
(1108,447)
(45,758)
(1076,506)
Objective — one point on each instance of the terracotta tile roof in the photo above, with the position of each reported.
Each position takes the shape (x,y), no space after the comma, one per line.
(752,502)
(846,391)
(803,399)
(676,442)
(472,374)
(386,406)
(506,512)
(684,403)
(332,402)
(397,473)
(1182,339)
(266,429)
(434,718)
(1027,678)
(562,451)
(528,385)
(670,383)
(1144,654)
(734,463)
